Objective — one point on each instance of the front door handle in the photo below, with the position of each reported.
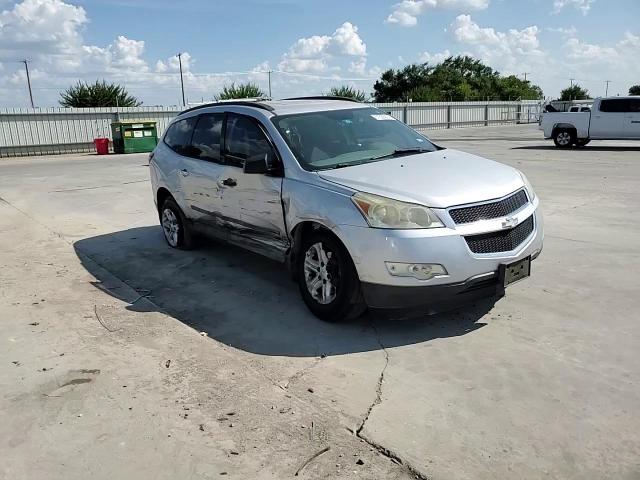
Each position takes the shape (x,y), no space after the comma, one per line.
(229,182)
(184,172)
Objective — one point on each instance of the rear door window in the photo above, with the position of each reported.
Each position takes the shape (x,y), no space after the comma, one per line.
(615,105)
(634,105)
(207,137)
(178,136)
(245,140)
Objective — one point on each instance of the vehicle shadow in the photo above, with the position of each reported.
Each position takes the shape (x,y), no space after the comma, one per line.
(595,148)
(245,300)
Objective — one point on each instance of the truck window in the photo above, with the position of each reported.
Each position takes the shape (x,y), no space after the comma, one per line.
(615,105)
(634,105)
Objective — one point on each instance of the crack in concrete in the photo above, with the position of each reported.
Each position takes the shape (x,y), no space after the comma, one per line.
(394,457)
(301,373)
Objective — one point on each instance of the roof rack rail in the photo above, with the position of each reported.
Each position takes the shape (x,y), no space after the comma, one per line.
(242,103)
(322,97)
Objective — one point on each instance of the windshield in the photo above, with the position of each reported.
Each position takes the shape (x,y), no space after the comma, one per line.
(342,138)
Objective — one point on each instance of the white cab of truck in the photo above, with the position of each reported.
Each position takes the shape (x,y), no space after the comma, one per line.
(616,118)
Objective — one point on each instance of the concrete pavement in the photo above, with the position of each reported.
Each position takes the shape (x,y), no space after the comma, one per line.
(544,384)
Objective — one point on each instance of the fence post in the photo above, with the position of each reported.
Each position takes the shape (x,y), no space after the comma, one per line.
(405,115)
(519,113)
(449,116)
(486,115)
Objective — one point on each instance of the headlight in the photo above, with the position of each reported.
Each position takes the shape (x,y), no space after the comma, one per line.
(528,187)
(382,212)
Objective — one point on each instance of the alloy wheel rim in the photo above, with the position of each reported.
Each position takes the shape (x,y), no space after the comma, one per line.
(170,226)
(321,274)
(564,138)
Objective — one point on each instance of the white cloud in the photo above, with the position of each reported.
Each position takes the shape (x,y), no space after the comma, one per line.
(514,52)
(565,31)
(313,54)
(434,58)
(508,51)
(172,64)
(406,13)
(583,5)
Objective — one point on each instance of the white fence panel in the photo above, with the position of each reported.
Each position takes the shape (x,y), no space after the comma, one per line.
(72,130)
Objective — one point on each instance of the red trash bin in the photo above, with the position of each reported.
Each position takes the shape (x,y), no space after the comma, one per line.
(102,146)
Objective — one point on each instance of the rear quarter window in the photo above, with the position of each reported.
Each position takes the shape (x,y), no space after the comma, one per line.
(178,136)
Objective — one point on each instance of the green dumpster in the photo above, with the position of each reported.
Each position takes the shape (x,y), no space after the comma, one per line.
(134,137)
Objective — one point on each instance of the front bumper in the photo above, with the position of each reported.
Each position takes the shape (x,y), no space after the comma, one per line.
(470,275)
(431,299)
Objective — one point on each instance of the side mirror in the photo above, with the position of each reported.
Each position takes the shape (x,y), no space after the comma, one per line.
(256,165)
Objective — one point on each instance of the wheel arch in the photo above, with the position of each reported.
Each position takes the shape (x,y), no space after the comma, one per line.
(161,195)
(563,126)
(302,228)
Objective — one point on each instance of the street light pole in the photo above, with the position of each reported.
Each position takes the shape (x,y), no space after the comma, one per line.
(26,67)
(270,97)
(606,94)
(184,104)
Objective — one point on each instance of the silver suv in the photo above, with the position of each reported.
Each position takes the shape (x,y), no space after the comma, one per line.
(365,211)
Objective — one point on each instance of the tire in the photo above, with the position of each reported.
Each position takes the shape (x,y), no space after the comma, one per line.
(175,226)
(583,142)
(564,138)
(327,279)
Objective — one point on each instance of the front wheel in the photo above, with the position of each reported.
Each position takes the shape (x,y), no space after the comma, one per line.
(327,279)
(564,138)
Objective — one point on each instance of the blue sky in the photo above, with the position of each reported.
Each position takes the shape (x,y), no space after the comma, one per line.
(311,45)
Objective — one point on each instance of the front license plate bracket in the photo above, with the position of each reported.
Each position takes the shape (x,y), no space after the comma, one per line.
(514,272)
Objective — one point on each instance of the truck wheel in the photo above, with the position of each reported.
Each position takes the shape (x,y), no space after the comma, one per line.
(564,138)
(327,279)
(583,142)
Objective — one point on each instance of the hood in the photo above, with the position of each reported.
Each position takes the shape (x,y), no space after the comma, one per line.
(439,179)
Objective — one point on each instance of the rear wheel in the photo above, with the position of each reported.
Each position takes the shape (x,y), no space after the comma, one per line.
(327,279)
(175,226)
(564,138)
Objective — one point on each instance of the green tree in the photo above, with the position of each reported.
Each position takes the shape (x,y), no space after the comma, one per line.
(574,92)
(242,90)
(346,91)
(635,90)
(455,79)
(98,94)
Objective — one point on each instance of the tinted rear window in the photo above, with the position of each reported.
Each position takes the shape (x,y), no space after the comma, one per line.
(206,137)
(616,105)
(178,135)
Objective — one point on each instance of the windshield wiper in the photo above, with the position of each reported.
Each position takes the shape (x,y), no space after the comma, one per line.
(401,151)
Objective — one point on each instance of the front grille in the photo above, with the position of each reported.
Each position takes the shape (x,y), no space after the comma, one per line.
(503,241)
(487,211)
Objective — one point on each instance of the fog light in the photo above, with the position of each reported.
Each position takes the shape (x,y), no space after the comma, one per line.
(421,271)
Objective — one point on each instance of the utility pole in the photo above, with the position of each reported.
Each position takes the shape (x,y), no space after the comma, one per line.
(270,97)
(570,96)
(26,67)
(184,104)
(607,90)
(525,75)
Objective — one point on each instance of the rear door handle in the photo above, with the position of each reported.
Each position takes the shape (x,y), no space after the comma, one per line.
(229,182)
(184,172)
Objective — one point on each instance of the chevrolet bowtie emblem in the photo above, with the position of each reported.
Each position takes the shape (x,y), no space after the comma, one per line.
(510,222)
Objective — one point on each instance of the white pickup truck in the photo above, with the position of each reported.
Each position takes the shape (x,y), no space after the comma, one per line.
(616,118)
